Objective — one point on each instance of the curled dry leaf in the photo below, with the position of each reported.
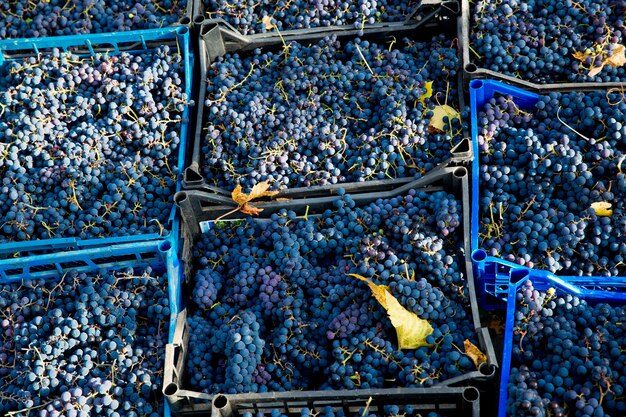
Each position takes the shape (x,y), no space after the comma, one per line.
(474,353)
(243,199)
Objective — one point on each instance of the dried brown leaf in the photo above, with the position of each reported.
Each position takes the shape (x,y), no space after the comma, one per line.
(258,191)
(474,353)
(581,56)
(619,57)
(595,70)
(243,199)
(250,210)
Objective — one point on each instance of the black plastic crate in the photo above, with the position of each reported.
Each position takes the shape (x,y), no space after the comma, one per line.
(451,179)
(474,70)
(423,10)
(216,40)
(447,401)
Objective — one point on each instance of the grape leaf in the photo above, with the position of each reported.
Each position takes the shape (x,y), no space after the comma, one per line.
(619,57)
(243,199)
(427,93)
(410,329)
(379,291)
(617,60)
(474,353)
(439,112)
(581,56)
(267,21)
(602,209)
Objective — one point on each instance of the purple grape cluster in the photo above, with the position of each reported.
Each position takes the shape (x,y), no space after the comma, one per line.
(299,321)
(567,357)
(89,344)
(251,16)
(543,171)
(549,41)
(329,113)
(88,146)
(35,19)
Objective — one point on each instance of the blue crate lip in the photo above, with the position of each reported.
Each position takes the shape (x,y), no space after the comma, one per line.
(613,292)
(156,253)
(113,43)
(493,273)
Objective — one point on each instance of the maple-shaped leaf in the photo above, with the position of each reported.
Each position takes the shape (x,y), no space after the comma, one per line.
(581,56)
(243,199)
(411,330)
(474,353)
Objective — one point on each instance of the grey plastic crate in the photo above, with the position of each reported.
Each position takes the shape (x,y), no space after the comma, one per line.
(472,70)
(422,11)
(217,39)
(454,180)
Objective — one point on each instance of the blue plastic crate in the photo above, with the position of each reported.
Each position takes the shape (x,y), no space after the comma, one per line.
(160,255)
(113,44)
(493,273)
(612,291)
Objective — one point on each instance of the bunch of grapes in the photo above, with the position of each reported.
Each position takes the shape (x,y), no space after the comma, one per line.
(566,356)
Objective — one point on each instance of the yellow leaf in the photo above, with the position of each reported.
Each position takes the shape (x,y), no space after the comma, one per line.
(377,290)
(580,56)
(428,93)
(243,199)
(410,329)
(602,209)
(267,21)
(474,353)
(258,191)
(439,112)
